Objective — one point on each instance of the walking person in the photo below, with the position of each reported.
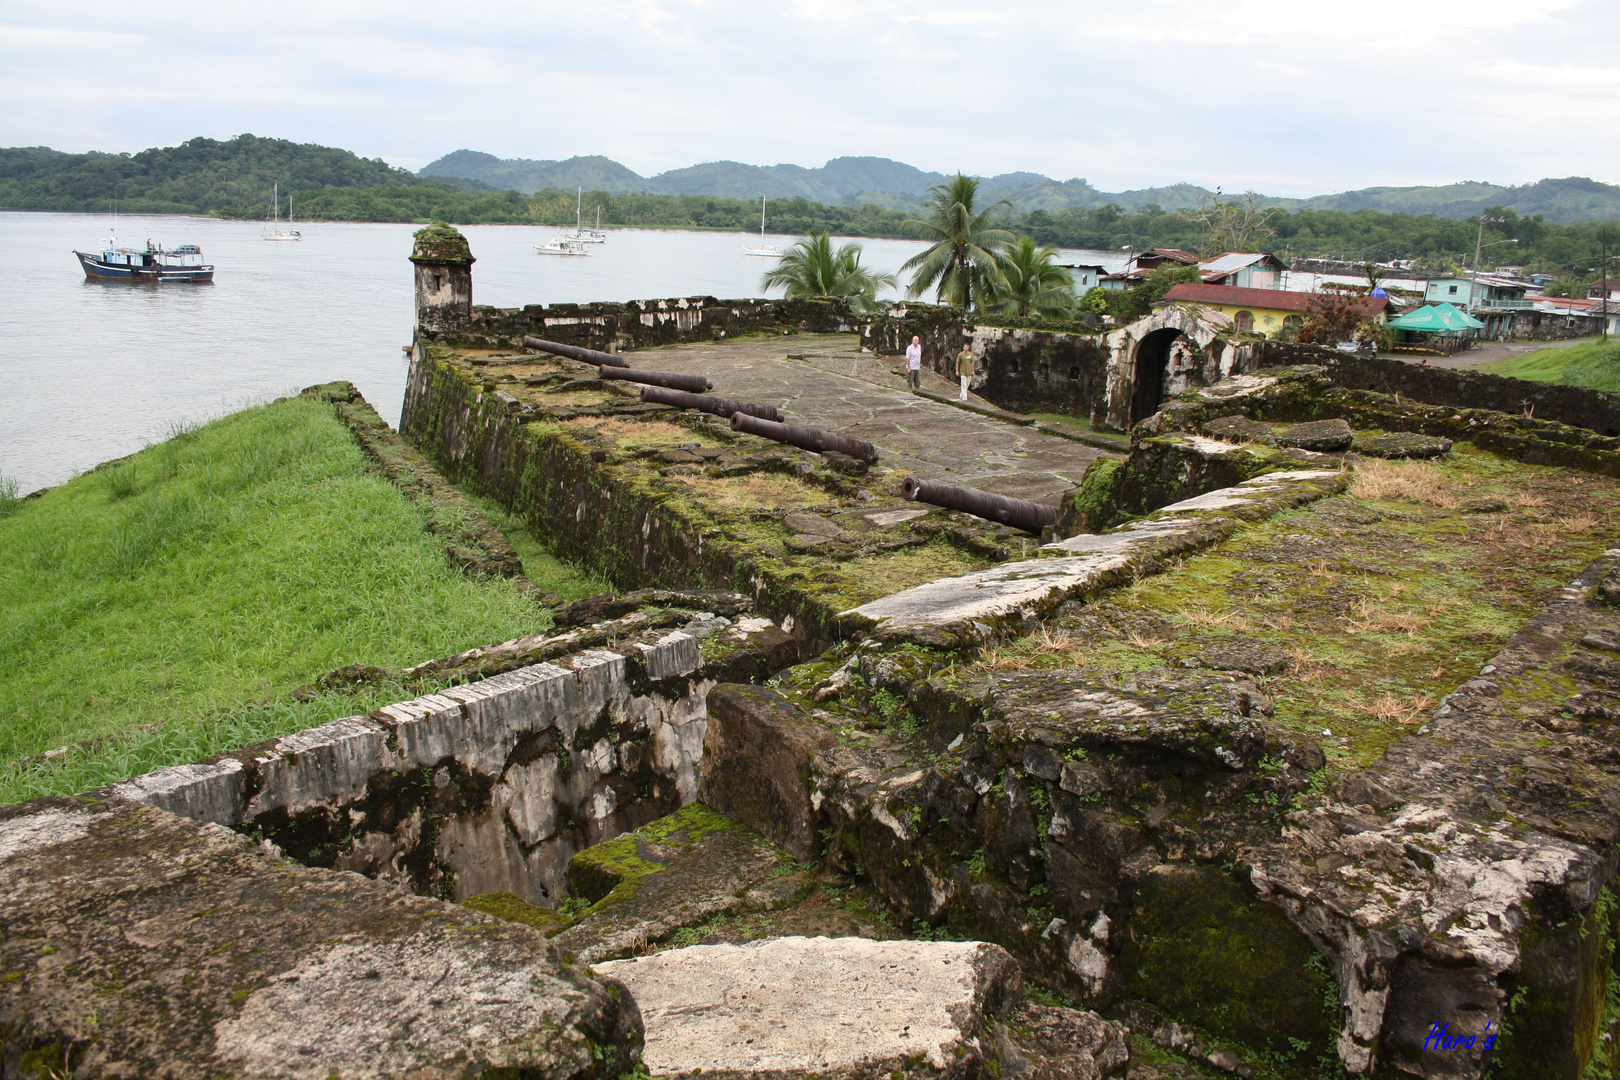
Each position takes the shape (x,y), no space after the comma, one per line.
(914,363)
(964,367)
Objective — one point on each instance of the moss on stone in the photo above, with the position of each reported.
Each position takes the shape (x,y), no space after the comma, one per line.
(1090,507)
(610,872)
(440,242)
(513,908)
(1199,947)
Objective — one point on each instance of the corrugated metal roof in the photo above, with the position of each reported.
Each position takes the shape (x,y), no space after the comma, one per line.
(1267,299)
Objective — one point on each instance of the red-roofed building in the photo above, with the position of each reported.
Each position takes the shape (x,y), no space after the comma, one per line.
(1263,311)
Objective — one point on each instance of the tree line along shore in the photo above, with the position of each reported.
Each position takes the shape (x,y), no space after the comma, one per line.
(232,179)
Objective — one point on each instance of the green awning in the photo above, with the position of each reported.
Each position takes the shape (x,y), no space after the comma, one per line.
(1437,319)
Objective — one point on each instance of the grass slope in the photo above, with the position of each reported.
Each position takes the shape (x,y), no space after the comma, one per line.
(231,563)
(1593,364)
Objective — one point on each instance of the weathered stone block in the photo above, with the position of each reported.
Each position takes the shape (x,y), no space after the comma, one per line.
(137,943)
(756,764)
(843,1007)
(1199,947)
(675,872)
(1403,444)
(1322,436)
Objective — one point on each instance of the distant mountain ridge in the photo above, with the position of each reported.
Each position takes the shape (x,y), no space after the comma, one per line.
(896,185)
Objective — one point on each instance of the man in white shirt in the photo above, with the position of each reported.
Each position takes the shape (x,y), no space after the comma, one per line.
(914,363)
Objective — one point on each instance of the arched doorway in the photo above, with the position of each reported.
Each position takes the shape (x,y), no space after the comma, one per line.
(1152,361)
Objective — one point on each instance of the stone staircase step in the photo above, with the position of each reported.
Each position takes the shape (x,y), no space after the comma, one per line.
(857,1008)
(676,872)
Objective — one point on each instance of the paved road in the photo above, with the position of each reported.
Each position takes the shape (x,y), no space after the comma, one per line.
(825,381)
(1490,350)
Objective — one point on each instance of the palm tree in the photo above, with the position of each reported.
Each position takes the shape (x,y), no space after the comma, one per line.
(1033,282)
(961,264)
(811,268)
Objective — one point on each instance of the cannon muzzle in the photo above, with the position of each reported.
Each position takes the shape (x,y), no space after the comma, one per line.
(1015,512)
(804,438)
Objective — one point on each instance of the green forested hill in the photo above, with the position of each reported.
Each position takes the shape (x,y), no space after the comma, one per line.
(232,179)
(896,185)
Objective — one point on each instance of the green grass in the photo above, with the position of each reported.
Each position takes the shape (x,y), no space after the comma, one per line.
(229,564)
(1078,423)
(1592,364)
(569,581)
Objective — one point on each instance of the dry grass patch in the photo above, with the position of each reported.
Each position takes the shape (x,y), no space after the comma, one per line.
(896,571)
(1416,481)
(756,490)
(574,399)
(1577,522)
(640,432)
(991,660)
(1203,618)
(1400,710)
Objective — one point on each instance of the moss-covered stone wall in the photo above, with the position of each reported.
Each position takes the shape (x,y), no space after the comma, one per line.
(641,324)
(1574,405)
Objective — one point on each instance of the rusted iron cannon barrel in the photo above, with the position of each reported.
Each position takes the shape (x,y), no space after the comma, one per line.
(574,352)
(675,380)
(803,437)
(720,406)
(1015,512)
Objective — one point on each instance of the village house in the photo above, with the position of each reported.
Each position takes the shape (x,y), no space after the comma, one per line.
(1247,269)
(1086,276)
(1263,311)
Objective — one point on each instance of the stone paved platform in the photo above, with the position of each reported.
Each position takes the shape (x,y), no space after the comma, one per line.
(825,381)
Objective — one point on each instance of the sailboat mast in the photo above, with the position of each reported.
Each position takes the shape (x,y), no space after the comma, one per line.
(762,218)
(579,196)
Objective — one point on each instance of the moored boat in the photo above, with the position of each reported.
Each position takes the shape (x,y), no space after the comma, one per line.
(762,249)
(560,245)
(272,221)
(151,263)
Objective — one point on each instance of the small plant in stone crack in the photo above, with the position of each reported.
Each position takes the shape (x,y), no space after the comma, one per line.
(1202,618)
(1398,709)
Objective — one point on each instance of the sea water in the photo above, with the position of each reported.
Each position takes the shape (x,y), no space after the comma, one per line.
(93,370)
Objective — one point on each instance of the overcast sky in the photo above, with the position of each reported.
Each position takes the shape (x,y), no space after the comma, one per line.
(1287,97)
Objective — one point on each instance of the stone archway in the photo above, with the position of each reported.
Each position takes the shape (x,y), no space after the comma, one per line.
(1140,355)
(1151,369)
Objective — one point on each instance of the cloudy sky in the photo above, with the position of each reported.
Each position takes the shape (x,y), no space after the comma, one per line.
(1288,97)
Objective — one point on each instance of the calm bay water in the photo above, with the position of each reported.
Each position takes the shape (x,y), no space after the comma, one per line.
(95,370)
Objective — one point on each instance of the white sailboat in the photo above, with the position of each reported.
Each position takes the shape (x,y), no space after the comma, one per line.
(582,235)
(272,223)
(762,249)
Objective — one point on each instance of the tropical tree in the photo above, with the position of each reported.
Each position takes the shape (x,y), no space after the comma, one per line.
(961,264)
(1032,282)
(812,269)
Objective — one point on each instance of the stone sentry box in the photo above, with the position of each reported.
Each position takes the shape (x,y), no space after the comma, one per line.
(488,787)
(443,262)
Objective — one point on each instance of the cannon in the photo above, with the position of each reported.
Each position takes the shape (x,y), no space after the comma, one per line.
(675,380)
(574,352)
(1015,512)
(805,438)
(708,403)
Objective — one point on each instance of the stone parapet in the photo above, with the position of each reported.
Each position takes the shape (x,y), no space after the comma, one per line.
(494,785)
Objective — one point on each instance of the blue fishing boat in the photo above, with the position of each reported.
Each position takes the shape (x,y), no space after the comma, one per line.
(151,263)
